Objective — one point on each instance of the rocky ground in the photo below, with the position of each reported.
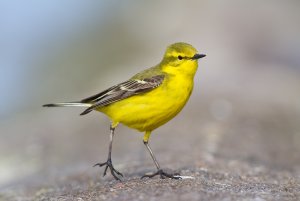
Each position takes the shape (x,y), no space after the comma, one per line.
(251,153)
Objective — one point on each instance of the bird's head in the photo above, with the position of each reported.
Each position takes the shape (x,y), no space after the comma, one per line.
(181,57)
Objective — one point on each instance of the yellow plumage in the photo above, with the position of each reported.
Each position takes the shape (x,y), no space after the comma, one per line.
(148,111)
(149,99)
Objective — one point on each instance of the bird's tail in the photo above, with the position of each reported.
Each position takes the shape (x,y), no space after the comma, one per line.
(68,104)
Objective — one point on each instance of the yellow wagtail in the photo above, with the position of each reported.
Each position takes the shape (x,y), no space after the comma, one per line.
(147,100)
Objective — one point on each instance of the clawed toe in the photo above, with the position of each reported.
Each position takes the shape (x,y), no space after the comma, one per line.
(113,171)
(162,174)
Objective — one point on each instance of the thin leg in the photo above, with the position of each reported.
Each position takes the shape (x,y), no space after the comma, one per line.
(108,163)
(160,172)
(152,155)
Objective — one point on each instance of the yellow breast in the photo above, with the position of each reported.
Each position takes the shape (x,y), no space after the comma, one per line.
(146,112)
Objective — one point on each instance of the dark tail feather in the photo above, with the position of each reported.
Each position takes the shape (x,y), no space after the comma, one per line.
(68,104)
(50,105)
(72,104)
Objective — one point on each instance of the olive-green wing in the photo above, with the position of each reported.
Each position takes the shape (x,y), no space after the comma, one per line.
(121,91)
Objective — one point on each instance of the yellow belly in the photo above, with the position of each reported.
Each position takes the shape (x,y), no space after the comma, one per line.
(146,112)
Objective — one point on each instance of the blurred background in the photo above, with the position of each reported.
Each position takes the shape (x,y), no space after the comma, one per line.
(245,105)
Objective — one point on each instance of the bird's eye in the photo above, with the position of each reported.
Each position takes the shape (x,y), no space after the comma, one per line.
(180,57)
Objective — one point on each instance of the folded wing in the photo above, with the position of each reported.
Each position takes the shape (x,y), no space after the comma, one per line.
(122,91)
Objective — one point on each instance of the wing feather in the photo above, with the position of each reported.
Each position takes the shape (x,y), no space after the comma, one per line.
(122,91)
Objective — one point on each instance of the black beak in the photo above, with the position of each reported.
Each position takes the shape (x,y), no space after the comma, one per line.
(198,56)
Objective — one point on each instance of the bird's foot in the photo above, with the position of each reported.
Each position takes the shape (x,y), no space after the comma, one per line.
(163,175)
(113,171)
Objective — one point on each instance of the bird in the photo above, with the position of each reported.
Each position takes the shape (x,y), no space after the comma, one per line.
(147,100)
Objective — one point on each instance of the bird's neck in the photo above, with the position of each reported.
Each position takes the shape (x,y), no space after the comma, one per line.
(186,70)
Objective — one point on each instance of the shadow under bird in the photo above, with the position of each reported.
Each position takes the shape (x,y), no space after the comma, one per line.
(147,100)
